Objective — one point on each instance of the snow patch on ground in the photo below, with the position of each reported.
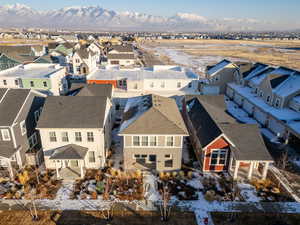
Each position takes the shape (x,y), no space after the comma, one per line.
(248,192)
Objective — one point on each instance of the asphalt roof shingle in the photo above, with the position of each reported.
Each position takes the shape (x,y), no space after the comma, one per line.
(73,112)
(70,151)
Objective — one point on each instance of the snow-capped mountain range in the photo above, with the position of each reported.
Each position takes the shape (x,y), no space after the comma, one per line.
(97,18)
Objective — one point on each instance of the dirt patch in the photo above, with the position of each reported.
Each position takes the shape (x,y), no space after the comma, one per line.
(128,217)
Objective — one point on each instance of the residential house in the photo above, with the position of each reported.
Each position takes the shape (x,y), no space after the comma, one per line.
(97,49)
(43,77)
(84,61)
(222,144)
(124,60)
(75,133)
(20,144)
(153,132)
(218,75)
(270,97)
(63,53)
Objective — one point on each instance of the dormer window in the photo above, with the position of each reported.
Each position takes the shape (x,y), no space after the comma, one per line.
(277,103)
(261,93)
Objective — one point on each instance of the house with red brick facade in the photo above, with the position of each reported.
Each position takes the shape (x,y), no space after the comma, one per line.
(221,143)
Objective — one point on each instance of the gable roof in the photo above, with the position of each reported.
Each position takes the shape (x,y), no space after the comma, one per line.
(276,79)
(102,90)
(210,120)
(120,56)
(152,114)
(217,67)
(12,101)
(83,53)
(73,112)
(206,112)
(122,48)
(256,68)
(70,151)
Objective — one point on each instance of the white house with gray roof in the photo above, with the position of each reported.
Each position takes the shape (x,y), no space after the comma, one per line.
(75,133)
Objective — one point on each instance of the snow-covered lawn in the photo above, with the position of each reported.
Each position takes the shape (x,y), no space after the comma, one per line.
(248,192)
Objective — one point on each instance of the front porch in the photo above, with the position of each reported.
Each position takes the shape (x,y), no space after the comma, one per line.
(69,161)
(248,170)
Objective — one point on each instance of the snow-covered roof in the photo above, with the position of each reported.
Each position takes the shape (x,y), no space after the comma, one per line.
(218,67)
(297,99)
(156,72)
(32,70)
(281,114)
(289,86)
(258,69)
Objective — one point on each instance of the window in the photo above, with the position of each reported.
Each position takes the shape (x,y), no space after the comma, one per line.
(255,90)
(218,157)
(5,134)
(170,141)
(90,136)
(52,136)
(153,141)
(78,137)
(92,158)
(32,140)
(268,98)
(152,158)
(168,156)
(261,94)
(16,82)
(169,163)
(162,85)
(136,141)
(190,85)
(152,85)
(64,137)
(144,140)
(4,82)
(31,84)
(138,156)
(178,85)
(45,84)
(277,102)
(23,127)
(37,115)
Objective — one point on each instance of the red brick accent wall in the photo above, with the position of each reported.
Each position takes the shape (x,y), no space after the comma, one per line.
(217,144)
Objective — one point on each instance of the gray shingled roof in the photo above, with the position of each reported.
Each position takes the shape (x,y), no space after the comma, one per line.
(73,112)
(120,56)
(11,104)
(102,90)
(210,120)
(70,151)
(122,48)
(153,114)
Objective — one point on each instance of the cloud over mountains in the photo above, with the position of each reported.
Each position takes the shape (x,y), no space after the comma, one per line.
(97,18)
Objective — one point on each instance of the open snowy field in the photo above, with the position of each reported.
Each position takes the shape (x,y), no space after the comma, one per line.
(197,54)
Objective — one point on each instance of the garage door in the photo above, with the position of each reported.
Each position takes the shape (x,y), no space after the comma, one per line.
(238,99)
(260,116)
(229,92)
(276,127)
(248,107)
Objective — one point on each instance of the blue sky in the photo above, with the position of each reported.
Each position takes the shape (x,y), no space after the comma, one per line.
(281,11)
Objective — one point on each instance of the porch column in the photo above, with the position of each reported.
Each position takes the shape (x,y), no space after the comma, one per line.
(230,163)
(250,171)
(64,163)
(81,169)
(236,169)
(265,170)
(11,172)
(56,167)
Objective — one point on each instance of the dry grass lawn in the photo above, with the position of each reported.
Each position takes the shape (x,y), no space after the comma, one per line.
(95,217)
(277,53)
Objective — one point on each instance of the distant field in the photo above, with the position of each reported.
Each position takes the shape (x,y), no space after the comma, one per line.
(8,42)
(277,53)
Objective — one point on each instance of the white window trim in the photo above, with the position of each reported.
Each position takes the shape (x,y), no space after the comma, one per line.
(218,159)
(140,141)
(2,133)
(23,132)
(37,114)
(34,140)
(130,145)
(166,141)
(87,137)
(78,136)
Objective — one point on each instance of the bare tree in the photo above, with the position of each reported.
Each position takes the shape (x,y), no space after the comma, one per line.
(165,208)
(33,211)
